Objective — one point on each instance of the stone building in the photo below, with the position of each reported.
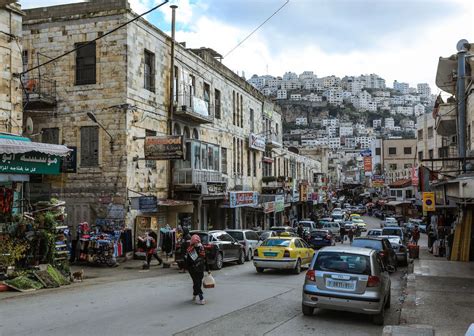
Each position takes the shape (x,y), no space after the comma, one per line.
(107,95)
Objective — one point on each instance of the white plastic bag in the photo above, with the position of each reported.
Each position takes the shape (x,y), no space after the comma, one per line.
(209,281)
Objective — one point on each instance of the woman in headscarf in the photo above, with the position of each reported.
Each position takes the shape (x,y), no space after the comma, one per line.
(196,263)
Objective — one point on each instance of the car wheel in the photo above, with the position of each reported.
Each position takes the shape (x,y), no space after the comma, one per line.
(307,310)
(249,255)
(241,257)
(389,299)
(219,261)
(297,269)
(380,317)
(260,269)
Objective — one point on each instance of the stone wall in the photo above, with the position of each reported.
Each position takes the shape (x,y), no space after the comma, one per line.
(10,64)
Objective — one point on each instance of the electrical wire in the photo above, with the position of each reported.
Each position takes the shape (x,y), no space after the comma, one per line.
(92,41)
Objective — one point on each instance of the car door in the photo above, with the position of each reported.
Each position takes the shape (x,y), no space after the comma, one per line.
(387,247)
(225,243)
(307,252)
(252,239)
(234,247)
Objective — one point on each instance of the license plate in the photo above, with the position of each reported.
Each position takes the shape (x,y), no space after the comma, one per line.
(270,254)
(341,285)
(318,238)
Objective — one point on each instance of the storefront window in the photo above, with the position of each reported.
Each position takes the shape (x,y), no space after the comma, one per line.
(204,156)
(196,152)
(216,158)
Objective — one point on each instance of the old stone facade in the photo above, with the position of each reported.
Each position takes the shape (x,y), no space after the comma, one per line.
(10,64)
(127,90)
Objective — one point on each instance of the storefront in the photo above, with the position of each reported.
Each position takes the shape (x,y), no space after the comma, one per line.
(237,203)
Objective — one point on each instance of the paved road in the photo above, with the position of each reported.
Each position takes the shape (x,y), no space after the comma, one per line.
(243,303)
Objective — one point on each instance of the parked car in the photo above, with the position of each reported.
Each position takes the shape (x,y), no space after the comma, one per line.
(266,234)
(399,248)
(337,217)
(348,279)
(282,252)
(360,223)
(374,233)
(394,231)
(280,229)
(382,246)
(249,239)
(321,238)
(334,228)
(220,247)
(410,225)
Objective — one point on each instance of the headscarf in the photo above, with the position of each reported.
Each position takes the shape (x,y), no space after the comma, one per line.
(195,239)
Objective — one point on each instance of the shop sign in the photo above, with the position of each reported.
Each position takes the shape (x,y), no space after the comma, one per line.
(429,201)
(29,163)
(368,164)
(216,188)
(116,211)
(303,192)
(366,152)
(279,203)
(257,142)
(148,204)
(243,198)
(164,147)
(378,183)
(69,162)
(268,207)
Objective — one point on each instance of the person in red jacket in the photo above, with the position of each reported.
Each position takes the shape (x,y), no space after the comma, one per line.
(415,235)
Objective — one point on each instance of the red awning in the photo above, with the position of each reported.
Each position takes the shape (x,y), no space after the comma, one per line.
(402,183)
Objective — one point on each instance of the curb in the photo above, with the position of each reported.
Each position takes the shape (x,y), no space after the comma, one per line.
(411,330)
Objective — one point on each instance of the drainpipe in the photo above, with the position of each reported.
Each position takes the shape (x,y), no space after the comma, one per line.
(171,97)
(461,105)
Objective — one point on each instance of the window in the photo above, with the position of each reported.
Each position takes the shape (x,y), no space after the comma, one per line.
(177,129)
(393,166)
(408,194)
(420,155)
(89,146)
(217,104)
(233,108)
(186,132)
(407,165)
(420,134)
(377,151)
(254,164)
(393,193)
(234,161)
(249,163)
(399,193)
(195,134)
(207,95)
(150,163)
(224,160)
(150,71)
(50,135)
(241,111)
(430,132)
(392,150)
(430,153)
(85,63)
(192,85)
(176,83)
(251,120)
(407,150)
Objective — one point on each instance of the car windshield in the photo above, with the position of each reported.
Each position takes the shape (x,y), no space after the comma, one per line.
(394,241)
(265,235)
(236,235)
(368,243)
(276,242)
(343,263)
(374,233)
(338,216)
(307,224)
(204,237)
(391,232)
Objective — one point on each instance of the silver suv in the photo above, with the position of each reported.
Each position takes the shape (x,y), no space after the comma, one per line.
(249,240)
(349,279)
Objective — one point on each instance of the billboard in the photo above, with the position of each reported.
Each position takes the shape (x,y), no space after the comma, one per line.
(169,147)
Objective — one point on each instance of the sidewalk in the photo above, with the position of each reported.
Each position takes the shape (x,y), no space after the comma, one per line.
(126,270)
(440,294)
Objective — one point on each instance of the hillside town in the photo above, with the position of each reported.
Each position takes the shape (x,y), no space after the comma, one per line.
(142,179)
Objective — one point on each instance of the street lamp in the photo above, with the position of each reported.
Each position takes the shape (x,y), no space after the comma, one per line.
(94,119)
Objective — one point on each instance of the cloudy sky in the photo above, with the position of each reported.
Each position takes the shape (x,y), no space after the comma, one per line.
(396,39)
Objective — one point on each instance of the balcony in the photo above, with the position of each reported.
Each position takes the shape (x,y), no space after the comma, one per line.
(39,93)
(190,107)
(446,119)
(186,176)
(273,141)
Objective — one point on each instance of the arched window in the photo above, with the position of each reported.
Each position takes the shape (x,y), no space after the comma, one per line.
(177,129)
(186,132)
(195,134)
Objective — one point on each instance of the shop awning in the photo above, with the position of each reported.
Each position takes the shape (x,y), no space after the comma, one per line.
(402,183)
(12,145)
(172,202)
(396,203)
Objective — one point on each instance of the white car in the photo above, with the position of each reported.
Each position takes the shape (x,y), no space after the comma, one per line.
(389,221)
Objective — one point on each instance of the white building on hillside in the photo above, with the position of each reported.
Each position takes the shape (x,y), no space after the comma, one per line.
(282,94)
(330,122)
(424,89)
(313,97)
(405,110)
(401,87)
(419,109)
(289,76)
(301,121)
(389,123)
(295,96)
(346,131)
(377,123)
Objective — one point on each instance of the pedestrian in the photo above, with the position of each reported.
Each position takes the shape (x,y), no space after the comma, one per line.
(184,244)
(300,231)
(150,242)
(342,232)
(415,235)
(350,234)
(196,263)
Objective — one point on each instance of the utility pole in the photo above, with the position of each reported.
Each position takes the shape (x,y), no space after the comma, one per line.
(461,101)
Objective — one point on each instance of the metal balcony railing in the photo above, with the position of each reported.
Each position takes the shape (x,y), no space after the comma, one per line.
(187,176)
(39,92)
(194,108)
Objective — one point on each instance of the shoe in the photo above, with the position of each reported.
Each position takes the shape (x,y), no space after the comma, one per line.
(201,302)
(194,298)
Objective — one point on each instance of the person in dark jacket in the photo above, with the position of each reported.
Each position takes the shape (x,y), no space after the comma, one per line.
(150,242)
(350,234)
(196,263)
(342,232)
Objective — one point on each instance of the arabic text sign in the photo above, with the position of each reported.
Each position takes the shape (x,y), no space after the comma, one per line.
(257,142)
(164,147)
(279,203)
(243,198)
(29,163)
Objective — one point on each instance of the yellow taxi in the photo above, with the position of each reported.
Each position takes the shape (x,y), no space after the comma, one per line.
(354,215)
(282,252)
(360,223)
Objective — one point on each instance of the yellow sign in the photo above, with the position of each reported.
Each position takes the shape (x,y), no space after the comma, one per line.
(429,201)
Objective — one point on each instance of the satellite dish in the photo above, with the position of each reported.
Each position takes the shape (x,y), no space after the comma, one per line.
(29,126)
(462,45)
